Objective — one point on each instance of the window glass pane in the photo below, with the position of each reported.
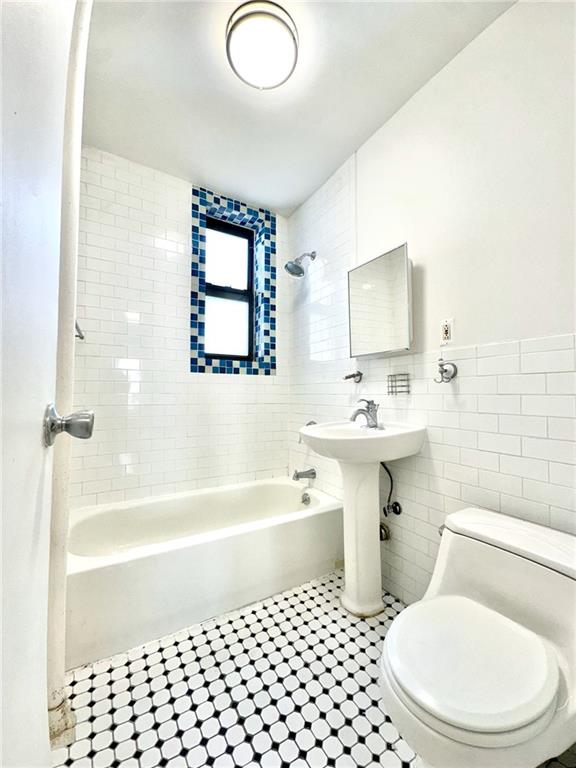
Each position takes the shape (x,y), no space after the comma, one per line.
(226,327)
(226,259)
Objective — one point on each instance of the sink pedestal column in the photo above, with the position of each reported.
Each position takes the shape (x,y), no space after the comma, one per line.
(362,594)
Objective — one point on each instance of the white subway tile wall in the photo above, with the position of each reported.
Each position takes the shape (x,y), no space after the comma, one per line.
(159,429)
(501,435)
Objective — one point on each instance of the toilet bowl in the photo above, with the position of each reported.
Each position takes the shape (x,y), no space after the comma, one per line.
(481,672)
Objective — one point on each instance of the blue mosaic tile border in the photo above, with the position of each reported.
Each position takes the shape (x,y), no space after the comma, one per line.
(263,222)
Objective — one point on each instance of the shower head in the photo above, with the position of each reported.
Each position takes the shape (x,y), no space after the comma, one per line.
(295,268)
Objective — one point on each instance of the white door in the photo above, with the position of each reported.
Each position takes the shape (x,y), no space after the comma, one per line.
(36,43)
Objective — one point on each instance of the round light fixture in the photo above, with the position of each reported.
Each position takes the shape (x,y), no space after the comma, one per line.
(262,44)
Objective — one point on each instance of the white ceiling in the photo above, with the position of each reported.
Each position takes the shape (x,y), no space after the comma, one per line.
(159,90)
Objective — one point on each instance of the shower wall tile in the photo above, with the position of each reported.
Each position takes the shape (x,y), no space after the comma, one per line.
(159,428)
(501,435)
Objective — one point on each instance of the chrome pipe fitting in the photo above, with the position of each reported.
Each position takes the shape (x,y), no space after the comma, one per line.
(306,474)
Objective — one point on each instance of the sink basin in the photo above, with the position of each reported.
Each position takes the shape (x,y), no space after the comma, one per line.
(359,451)
(351,442)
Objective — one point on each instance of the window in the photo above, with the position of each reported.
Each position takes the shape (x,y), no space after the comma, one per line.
(229,317)
(232,287)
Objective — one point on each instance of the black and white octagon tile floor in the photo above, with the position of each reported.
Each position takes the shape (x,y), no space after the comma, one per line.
(291,681)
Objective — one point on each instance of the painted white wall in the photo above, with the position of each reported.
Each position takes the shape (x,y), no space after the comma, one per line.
(502,435)
(476,173)
(36,42)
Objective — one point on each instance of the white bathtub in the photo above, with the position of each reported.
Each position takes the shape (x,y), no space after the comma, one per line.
(141,570)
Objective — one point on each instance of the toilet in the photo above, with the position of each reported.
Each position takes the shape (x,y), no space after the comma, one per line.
(481,673)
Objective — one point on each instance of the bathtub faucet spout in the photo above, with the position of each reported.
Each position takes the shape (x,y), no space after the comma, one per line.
(306,474)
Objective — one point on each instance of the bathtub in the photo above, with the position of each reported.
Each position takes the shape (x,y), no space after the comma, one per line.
(140,570)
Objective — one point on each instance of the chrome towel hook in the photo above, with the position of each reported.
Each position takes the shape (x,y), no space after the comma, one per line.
(447,371)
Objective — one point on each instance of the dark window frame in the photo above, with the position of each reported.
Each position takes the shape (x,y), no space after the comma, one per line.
(236,294)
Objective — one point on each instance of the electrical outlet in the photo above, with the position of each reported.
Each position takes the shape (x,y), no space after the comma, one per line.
(447,331)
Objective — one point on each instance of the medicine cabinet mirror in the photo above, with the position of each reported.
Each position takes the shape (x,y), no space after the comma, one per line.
(380,304)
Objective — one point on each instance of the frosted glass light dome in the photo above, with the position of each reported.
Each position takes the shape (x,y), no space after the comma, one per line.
(262,44)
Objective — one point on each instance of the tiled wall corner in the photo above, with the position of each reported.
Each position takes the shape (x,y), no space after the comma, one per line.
(501,435)
(159,428)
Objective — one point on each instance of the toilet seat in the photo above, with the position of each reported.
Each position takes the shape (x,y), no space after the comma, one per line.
(471,673)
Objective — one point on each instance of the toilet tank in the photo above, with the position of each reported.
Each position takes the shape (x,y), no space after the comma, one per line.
(522,570)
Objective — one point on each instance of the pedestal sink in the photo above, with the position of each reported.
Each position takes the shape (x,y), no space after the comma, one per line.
(359,451)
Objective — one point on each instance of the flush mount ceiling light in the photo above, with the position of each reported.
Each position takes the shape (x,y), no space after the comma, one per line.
(262,44)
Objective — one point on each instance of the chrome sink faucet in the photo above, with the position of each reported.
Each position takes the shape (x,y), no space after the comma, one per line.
(370,412)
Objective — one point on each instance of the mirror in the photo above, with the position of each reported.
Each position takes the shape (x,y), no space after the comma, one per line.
(380,304)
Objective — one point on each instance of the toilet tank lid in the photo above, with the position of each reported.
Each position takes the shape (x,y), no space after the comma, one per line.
(546,546)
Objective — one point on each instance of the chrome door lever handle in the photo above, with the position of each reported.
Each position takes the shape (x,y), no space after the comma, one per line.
(79,424)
